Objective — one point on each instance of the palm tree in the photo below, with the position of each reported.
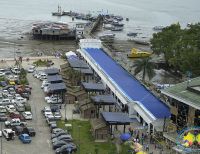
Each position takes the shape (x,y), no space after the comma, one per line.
(145,66)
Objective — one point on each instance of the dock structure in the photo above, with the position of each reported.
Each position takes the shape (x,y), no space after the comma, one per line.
(52,31)
(132,96)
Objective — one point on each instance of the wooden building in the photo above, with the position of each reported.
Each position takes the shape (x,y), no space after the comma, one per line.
(100,130)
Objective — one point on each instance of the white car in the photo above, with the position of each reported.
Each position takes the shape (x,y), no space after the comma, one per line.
(54,100)
(8,133)
(47,114)
(3,109)
(46,84)
(43,76)
(19,100)
(10,108)
(27,115)
(31,69)
(50,97)
(2,74)
(0,133)
(57,115)
(5,101)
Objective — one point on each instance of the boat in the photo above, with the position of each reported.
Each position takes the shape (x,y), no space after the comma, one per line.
(107,26)
(116,28)
(142,42)
(117,24)
(58,13)
(132,34)
(107,37)
(136,53)
(158,28)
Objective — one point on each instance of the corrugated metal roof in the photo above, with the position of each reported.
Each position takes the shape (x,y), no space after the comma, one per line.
(93,86)
(116,117)
(53,78)
(130,86)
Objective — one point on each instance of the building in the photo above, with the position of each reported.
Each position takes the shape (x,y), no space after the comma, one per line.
(131,95)
(184,100)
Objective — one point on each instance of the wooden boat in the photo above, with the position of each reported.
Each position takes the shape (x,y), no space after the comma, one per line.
(135,53)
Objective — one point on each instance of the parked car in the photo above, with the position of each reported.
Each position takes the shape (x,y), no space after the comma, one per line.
(50,120)
(30,131)
(3,83)
(18,130)
(68,148)
(46,109)
(15,122)
(9,134)
(0,133)
(27,115)
(10,108)
(62,137)
(16,115)
(53,126)
(57,116)
(5,101)
(47,114)
(3,117)
(58,144)
(25,138)
(25,95)
(19,107)
(19,100)
(54,101)
(31,69)
(3,109)
(55,107)
(56,130)
(59,134)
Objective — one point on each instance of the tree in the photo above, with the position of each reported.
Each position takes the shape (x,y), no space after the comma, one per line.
(145,66)
(181,47)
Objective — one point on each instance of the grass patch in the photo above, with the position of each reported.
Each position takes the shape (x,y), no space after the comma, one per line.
(87,144)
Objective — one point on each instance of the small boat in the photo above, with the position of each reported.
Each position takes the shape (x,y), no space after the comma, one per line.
(58,13)
(142,42)
(158,28)
(135,53)
(107,26)
(107,37)
(116,28)
(132,34)
(117,24)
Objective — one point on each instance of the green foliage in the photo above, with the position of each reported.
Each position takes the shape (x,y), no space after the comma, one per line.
(181,47)
(83,136)
(42,63)
(22,77)
(145,66)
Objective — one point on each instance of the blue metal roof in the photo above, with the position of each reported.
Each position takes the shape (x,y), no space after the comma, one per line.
(130,86)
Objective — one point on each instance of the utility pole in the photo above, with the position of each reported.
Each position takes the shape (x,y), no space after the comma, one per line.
(79,139)
(1,140)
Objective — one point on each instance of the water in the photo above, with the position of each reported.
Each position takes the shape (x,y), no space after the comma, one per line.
(17,16)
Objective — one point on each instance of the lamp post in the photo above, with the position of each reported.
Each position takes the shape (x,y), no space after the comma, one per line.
(1,140)
(79,138)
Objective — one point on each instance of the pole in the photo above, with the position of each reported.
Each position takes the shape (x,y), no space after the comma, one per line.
(79,139)
(1,140)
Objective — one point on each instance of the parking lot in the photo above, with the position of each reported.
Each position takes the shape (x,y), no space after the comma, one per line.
(41,143)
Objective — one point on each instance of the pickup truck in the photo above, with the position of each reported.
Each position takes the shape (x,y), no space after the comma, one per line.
(15,122)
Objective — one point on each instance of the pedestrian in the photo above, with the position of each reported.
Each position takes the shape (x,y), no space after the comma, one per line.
(155,146)
(147,147)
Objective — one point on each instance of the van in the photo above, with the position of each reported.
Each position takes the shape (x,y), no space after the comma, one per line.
(20,107)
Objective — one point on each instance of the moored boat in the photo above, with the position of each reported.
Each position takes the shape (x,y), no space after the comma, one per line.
(135,53)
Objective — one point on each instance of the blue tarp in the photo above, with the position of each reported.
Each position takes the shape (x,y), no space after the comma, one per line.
(130,86)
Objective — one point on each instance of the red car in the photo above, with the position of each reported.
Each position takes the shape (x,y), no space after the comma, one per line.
(16,115)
